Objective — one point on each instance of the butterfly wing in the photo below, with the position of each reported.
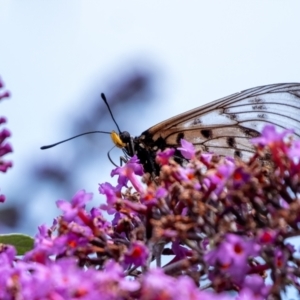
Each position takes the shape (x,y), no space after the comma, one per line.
(225,126)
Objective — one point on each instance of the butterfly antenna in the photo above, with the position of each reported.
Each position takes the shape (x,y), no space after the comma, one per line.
(74,137)
(105,101)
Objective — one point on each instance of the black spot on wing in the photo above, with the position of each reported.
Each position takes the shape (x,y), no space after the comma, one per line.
(259,107)
(179,137)
(206,133)
(197,121)
(231,116)
(238,153)
(160,143)
(231,142)
(249,132)
(262,116)
(256,100)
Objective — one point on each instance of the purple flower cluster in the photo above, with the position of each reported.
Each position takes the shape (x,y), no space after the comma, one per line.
(5,147)
(64,280)
(215,228)
(61,279)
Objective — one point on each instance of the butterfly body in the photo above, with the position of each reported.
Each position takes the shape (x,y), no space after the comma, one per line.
(224,126)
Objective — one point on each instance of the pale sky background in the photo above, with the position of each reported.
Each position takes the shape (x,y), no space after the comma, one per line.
(52,52)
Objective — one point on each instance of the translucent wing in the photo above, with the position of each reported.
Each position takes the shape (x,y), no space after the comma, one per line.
(225,126)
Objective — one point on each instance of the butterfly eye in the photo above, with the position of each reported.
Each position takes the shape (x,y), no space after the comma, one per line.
(125,137)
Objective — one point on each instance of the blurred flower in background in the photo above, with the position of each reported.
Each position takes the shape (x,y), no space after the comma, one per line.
(5,148)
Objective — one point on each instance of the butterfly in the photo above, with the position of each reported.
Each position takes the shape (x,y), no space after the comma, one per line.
(224,127)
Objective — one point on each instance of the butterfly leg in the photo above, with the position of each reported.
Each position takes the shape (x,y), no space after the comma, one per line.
(108,155)
(123,160)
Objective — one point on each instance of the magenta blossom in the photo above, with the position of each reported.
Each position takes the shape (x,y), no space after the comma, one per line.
(294,151)
(77,203)
(269,136)
(213,228)
(187,149)
(163,157)
(254,287)
(151,196)
(206,158)
(5,147)
(129,172)
(232,255)
(112,193)
(137,254)
(219,178)
(157,285)
(5,94)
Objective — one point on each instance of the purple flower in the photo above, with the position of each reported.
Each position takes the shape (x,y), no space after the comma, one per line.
(206,158)
(187,149)
(128,172)
(280,258)
(99,221)
(7,255)
(137,254)
(254,287)
(269,136)
(112,194)
(294,151)
(71,209)
(219,178)
(74,237)
(163,157)
(4,134)
(5,94)
(240,177)
(2,198)
(231,256)
(43,236)
(63,279)
(152,195)
(44,246)
(5,148)
(70,242)
(157,285)
(114,273)
(248,294)
(267,236)
(180,251)
(186,174)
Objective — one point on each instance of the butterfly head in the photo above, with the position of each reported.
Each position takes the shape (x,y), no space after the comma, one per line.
(119,140)
(124,141)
